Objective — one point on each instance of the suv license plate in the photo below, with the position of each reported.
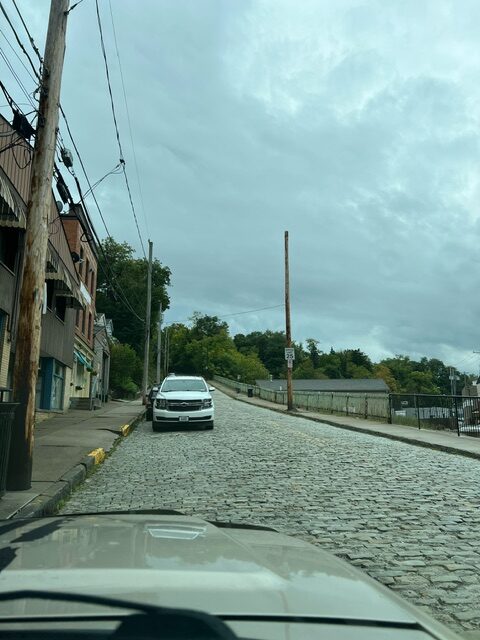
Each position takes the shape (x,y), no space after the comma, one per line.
(183,419)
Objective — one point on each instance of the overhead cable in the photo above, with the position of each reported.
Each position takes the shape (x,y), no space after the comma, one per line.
(117,133)
(32,42)
(128,119)
(17,37)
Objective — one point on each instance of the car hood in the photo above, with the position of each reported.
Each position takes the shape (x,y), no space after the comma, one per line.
(184,395)
(186,562)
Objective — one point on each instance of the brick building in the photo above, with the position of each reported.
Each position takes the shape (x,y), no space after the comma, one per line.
(62,296)
(85,254)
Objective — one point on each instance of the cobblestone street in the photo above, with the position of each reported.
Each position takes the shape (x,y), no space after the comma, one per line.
(408,516)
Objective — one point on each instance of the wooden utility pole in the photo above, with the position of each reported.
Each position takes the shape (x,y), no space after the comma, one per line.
(159,344)
(148,315)
(166,355)
(288,327)
(27,352)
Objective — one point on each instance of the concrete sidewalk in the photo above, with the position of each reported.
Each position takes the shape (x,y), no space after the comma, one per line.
(61,454)
(442,440)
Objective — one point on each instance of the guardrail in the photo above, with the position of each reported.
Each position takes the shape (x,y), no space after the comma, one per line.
(360,405)
(428,411)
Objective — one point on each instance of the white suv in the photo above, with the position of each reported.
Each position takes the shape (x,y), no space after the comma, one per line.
(183,400)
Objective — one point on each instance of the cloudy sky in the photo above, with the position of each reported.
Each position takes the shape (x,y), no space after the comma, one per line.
(354,124)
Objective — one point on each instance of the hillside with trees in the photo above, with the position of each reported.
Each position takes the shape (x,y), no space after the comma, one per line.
(206,348)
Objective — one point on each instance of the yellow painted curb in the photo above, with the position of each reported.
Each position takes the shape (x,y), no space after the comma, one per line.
(98,455)
(125,430)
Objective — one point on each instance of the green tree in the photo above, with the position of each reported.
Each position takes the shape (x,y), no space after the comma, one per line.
(125,371)
(331,364)
(268,345)
(401,368)
(204,326)
(306,371)
(383,372)
(179,336)
(313,352)
(120,276)
(420,382)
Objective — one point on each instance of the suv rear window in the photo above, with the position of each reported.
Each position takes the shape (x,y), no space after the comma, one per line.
(174,384)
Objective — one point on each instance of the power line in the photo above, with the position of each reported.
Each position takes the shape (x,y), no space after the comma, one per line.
(17,37)
(18,57)
(83,168)
(471,356)
(114,171)
(107,72)
(118,290)
(35,48)
(241,313)
(17,78)
(112,278)
(32,42)
(112,104)
(128,117)
(74,5)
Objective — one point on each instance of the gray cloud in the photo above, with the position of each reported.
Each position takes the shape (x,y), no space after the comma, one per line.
(352,124)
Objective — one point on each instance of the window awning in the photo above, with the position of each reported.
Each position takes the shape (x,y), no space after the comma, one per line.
(12,208)
(81,358)
(65,285)
(52,260)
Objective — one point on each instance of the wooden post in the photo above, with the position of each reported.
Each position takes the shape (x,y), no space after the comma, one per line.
(159,345)
(27,352)
(148,315)
(167,351)
(288,326)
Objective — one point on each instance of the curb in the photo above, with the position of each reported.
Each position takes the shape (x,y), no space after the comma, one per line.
(130,426)
(390,436)
(47,502)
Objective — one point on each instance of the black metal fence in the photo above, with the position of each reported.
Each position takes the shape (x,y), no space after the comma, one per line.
(451,413)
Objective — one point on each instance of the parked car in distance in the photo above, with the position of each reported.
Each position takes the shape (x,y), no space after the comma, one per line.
(150,400)
(183,401)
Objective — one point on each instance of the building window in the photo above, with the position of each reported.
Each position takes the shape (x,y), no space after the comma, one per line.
(80,264)
(89,326)
(92,283)
(3,328)
(50,294)
(8,247)
(57,385)
(60,307)
(87,273)
(83,321)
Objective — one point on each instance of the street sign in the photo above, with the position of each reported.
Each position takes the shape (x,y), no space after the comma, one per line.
(289,353)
